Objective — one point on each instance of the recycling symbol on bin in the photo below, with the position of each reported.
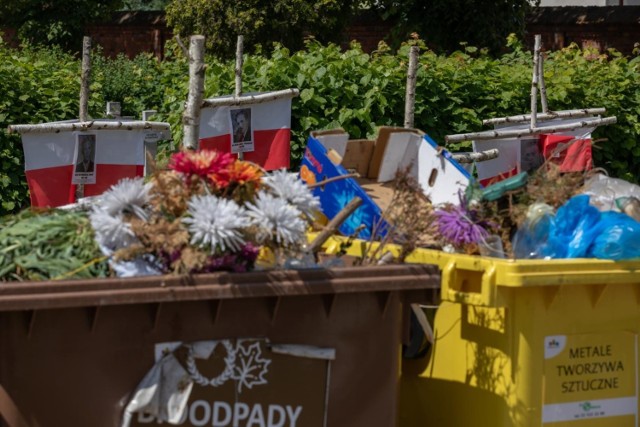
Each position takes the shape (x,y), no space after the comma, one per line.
(243,363)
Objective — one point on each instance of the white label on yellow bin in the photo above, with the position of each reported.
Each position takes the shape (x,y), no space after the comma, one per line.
(589,379)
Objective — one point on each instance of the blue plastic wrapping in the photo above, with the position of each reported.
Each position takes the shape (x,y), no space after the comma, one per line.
(578,230)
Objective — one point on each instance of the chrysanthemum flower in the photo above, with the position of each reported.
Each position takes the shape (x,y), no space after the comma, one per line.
(461,225)
(200,163)
(276,220)
(112,232)
(127,196)
(216,222)
(287,186)
(239,173)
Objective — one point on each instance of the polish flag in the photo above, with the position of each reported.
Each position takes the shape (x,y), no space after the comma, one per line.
(270,131)
(572,153)
(49,160)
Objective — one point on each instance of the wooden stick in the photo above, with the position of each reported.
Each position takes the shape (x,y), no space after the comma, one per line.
(543,87)
(481,156)
(230,101)
(549,115)
(85,79)
(518,133)
(534,82)
(238,72)
(185,52)
(334,224)
(191,116)
(88,125)
(410,97)
(238,69)
(335,178)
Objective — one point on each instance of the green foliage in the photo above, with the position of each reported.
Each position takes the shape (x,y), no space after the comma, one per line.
(59,245)
(444,24)
(349,89)
(59,22)
(261,22)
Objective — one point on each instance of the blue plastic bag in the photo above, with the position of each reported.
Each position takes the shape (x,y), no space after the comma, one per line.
(579,230)
(618,237)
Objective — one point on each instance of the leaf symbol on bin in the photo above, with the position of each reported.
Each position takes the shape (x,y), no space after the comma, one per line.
(251,368)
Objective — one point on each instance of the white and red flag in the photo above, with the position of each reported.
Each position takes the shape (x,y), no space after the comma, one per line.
(52,158)
(262,131)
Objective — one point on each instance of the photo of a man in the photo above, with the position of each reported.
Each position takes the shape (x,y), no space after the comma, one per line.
(241,122)
(85,159)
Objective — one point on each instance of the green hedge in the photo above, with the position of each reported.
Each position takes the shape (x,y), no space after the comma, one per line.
(349,89)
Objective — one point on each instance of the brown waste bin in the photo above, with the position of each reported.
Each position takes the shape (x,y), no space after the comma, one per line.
(74,352)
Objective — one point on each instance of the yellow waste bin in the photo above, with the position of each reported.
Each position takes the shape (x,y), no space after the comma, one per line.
(526,343)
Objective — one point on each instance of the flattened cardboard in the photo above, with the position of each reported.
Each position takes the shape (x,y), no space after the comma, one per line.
(381,147)
(333,139)
(358,155)
(439,175)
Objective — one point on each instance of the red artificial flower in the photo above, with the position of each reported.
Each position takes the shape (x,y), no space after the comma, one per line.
(200,163)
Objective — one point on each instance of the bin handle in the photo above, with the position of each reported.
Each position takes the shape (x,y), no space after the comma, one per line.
(452,289)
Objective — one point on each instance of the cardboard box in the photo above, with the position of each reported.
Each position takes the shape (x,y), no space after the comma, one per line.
(331,154)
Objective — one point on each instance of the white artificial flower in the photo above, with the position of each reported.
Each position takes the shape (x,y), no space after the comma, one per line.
(276,220)
(112,232)
(128,195)
(287,186)
(216,222)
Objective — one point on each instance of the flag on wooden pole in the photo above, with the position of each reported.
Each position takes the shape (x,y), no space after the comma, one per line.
(262,131)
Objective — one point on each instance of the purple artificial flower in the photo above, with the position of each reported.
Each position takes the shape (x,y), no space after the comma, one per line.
(461,225)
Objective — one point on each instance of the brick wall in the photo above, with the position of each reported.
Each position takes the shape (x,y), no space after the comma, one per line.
(615,27)
(600,27)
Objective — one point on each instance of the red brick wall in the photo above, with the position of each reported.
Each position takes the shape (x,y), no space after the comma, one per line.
(600,27)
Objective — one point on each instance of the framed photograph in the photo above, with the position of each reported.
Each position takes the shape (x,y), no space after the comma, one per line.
(241,130)
(84,159)
(530,155)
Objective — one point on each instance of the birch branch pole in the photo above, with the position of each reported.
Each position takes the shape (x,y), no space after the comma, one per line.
(534,82)
(543,87)
(238,72)
(250,99)
(549,115)
(191,116)
(89,125)
(85,81)
(472,157)
(518,133)
(410,97)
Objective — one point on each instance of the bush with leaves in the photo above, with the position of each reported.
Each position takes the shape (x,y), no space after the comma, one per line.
(262,22)
(349,89)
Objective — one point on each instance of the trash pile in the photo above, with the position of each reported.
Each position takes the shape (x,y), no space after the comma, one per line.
(208,212)
(554,215)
